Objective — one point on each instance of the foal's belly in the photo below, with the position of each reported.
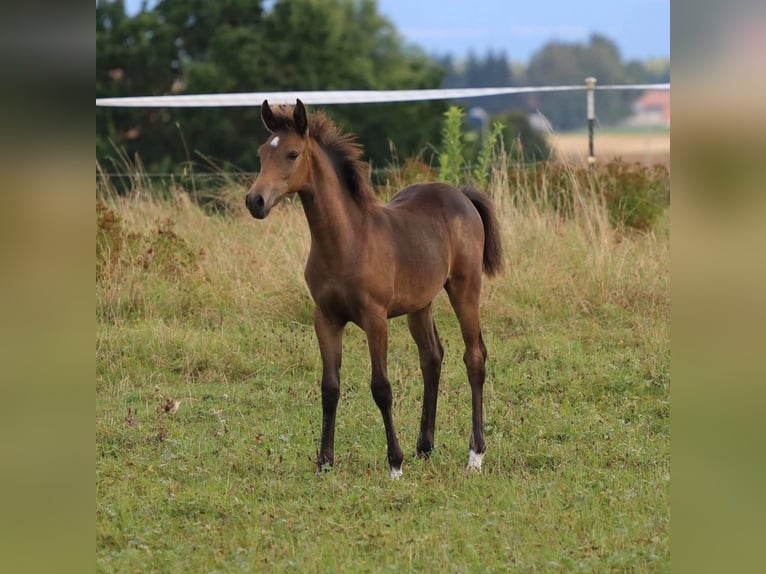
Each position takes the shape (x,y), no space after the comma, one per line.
(415,290)
(403,308)
(398,296)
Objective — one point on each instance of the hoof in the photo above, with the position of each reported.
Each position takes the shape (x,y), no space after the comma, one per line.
(396,472)
(474,460)
(425,448)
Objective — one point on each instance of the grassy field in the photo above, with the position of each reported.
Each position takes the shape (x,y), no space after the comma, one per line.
(208,407)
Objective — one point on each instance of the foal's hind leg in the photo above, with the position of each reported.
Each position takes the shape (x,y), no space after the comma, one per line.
(464,296)
(431,352)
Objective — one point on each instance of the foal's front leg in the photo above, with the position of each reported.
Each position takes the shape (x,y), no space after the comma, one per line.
(330,336)
(376,328)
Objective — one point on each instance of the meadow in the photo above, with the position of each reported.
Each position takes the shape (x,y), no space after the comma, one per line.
(208,406)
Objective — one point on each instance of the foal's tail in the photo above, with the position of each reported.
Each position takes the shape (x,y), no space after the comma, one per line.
(493,248)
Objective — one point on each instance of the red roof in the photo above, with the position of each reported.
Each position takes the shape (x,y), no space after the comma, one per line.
(655,100)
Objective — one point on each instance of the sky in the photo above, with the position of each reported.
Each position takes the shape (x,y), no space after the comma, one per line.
(640,28)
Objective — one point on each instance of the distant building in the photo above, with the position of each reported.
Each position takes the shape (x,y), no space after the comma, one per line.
(651,109)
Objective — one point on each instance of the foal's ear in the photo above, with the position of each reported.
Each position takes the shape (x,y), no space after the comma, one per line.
(299,118)
(268,116)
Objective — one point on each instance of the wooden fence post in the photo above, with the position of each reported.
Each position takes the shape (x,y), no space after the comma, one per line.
(590,82)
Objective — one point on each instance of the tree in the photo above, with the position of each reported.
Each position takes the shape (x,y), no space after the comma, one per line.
(491,70)
(524,143)
(209,46)
(200,46)
(134,56)
(346,44)
(557,63)
(561,63)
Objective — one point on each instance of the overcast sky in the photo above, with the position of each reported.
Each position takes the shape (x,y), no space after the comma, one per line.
(641,28)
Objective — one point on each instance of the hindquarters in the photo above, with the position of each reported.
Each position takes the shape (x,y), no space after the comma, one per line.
(492,260)
(436,216)
(463,288)
(463,224)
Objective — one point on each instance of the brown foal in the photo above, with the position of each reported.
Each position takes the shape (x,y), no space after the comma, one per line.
(369,262)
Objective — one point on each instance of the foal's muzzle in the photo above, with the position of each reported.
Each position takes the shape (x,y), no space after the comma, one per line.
(256,205)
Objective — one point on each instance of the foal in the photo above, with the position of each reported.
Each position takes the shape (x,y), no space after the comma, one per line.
(369,262)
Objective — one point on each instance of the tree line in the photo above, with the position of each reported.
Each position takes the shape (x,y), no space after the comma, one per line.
(210,46)
(558,63)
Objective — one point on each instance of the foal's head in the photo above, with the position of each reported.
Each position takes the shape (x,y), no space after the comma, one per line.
(284,159)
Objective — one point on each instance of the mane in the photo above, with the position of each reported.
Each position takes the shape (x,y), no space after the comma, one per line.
(344,151)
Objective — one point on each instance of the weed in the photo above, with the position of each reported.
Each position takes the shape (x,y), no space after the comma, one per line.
(451,161)
(482,171)
(109,239)
(167,254)
(636,194)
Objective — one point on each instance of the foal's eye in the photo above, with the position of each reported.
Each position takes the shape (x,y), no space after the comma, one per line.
(291,155)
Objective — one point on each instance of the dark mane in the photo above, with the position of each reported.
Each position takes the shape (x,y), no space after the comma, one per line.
(344,151)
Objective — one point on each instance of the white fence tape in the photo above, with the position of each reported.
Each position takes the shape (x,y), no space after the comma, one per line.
(342,96)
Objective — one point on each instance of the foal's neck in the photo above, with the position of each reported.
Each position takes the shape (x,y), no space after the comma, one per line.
(335,220)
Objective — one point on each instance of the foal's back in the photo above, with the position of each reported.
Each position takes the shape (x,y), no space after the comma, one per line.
(437,217)
(433,232)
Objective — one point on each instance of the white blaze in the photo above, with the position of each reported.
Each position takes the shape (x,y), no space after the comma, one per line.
(275,141)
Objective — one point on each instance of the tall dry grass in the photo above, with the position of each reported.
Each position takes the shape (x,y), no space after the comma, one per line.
(558,264)
(576,260)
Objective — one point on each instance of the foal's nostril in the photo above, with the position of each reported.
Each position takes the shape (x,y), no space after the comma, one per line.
(256,205)
(254,201)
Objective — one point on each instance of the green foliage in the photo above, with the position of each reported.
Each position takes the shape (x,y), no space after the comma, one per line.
(209,46)
(487,155)
(451,161)
(525,143)
(634,195)
(491,70)
(549,186)
(479,155)
(562,63)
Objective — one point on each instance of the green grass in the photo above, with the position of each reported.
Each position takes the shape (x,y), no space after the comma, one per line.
(211,310)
